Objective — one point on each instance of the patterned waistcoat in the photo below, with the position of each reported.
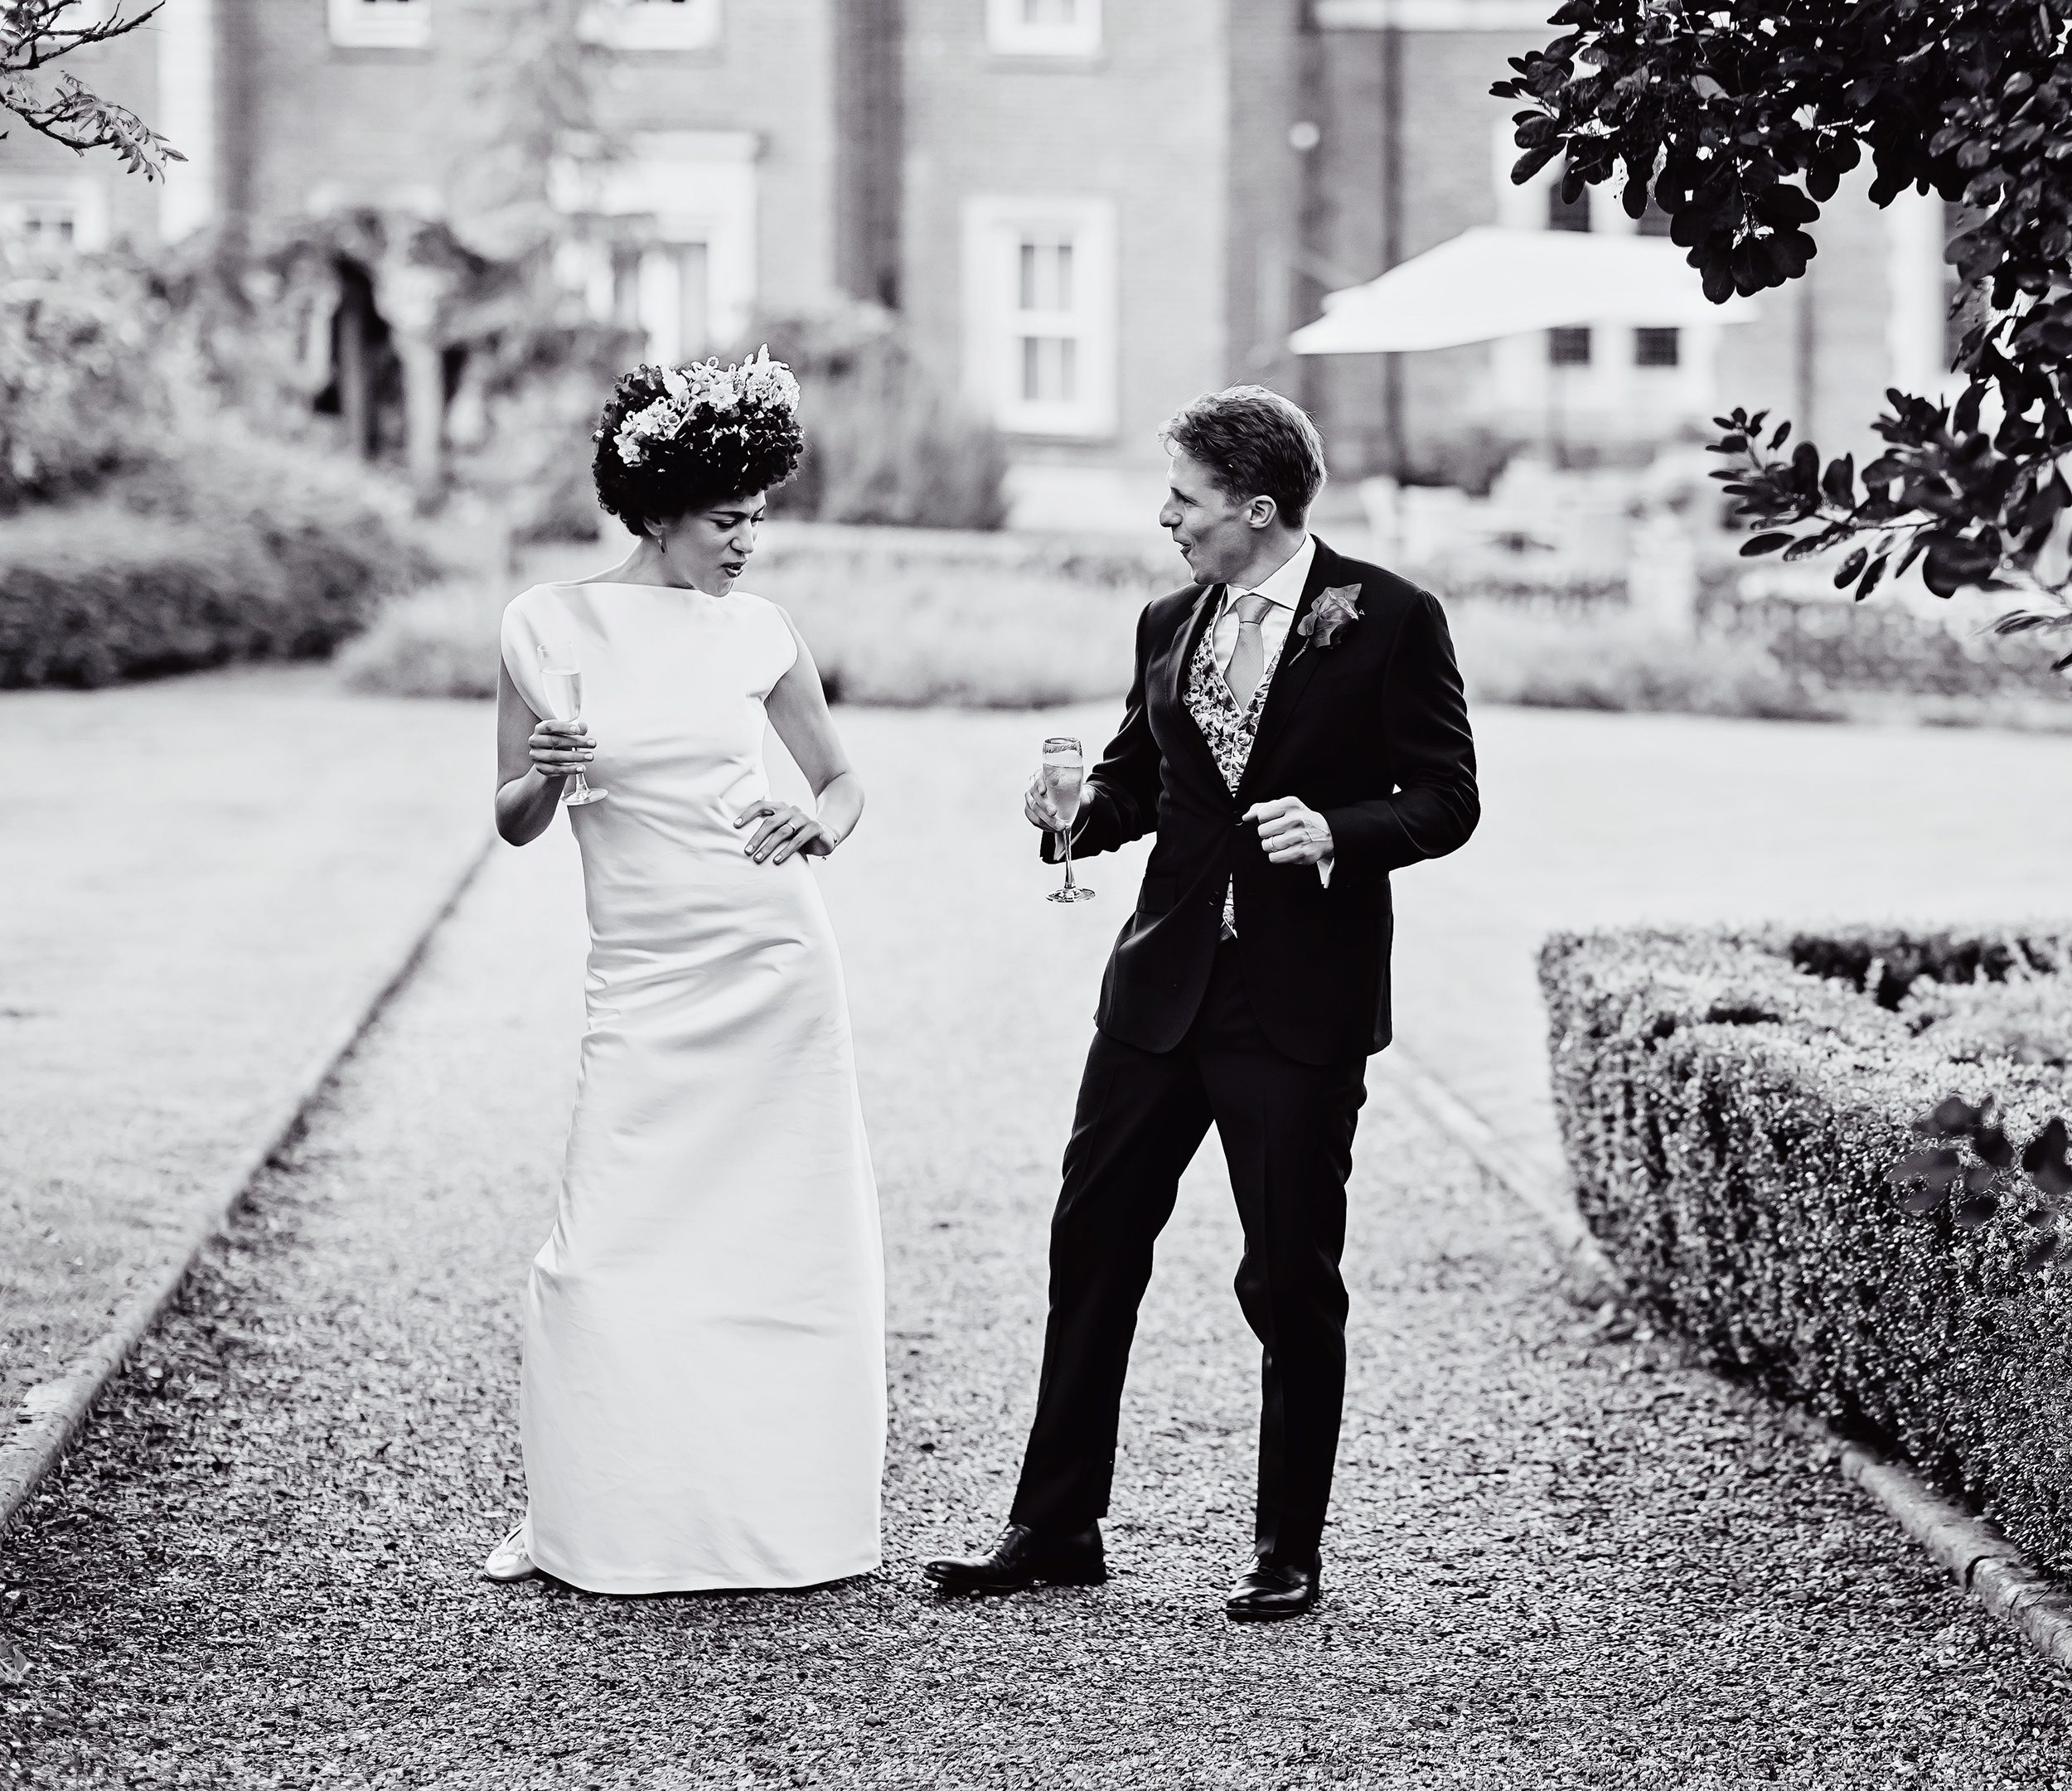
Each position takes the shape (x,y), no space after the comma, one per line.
(1229,730)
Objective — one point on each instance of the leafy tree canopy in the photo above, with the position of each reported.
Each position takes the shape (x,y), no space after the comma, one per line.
(1741,119)
(57,105)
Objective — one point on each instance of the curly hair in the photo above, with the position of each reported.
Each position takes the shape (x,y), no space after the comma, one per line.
(712,458)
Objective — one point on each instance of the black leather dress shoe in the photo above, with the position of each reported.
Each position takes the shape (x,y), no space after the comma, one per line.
(1269,1594)
(1024,1558)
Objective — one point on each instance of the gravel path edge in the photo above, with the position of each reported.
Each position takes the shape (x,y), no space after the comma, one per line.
(1590,1275)
(1972,1550)
(51,1412)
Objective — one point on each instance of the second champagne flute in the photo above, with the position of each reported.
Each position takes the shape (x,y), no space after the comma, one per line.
(564,686)
(1064,778)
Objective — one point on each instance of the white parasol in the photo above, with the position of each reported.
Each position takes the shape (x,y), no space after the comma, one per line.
(1490,281)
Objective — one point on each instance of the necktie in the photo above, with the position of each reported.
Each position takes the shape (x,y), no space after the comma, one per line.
(1248,658)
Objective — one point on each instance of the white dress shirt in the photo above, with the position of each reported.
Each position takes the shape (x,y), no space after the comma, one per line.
(1282,589)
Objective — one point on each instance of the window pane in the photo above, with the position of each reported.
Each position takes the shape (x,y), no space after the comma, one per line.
(1656,348)
(1050,370)
(1561,215)
(1045,273)
(1568,347)
(1654,221)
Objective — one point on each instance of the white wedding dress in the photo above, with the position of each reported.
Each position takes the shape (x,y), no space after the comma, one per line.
(703,1400)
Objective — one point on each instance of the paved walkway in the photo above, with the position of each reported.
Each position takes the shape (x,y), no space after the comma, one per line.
(204,876)
(1562,1556)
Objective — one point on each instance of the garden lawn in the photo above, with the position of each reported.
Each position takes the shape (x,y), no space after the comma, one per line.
(1561,1557)
(204,876)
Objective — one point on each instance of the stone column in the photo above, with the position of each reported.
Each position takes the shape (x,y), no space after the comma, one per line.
(409,296)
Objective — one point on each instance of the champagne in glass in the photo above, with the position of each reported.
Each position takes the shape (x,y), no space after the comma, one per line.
(563,686)
(1064,778)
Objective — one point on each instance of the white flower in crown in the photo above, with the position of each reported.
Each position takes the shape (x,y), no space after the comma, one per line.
(769,384)
(760,383)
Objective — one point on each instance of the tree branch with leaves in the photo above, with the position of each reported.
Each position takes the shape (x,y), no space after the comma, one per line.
(57,105)
(1741,119)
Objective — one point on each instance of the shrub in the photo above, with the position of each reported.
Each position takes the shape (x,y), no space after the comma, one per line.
(1002,625)
(1614,659)
(1776,659)
(1855,646)
(439,642)
(227,548)
(888,441)
(1731,1105)
(80,399)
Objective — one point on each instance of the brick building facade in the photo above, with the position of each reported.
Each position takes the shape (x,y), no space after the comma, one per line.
(1089,209)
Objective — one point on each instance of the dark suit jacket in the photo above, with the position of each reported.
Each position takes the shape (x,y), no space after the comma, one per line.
(1371,731)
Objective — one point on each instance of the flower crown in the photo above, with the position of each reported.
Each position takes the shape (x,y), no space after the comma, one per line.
(747,393)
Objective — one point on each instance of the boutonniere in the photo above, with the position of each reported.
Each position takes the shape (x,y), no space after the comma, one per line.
(1330,612)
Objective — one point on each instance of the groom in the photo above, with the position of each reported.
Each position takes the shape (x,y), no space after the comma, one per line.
(1295,732)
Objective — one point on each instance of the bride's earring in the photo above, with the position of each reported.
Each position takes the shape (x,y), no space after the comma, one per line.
(661,540)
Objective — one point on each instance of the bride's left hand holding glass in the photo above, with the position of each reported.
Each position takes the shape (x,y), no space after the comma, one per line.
(561,748)
(561,745)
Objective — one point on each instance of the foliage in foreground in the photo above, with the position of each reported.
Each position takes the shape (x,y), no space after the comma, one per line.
(36,33)
(1732,1105)
(1740,122)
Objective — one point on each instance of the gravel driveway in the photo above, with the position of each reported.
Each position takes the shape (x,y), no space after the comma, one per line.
(1560,1557)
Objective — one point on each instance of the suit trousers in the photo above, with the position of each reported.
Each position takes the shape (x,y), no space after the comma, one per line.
(1287,1135)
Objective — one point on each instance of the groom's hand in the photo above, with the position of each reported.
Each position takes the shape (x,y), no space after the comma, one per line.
(1290,833)
(1037,806)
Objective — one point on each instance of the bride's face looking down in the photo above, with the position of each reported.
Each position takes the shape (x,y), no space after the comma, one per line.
(709,548)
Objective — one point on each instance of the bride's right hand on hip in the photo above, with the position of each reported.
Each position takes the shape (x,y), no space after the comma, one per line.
(560,748)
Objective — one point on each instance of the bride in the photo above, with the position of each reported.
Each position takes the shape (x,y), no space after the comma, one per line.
(703,1398)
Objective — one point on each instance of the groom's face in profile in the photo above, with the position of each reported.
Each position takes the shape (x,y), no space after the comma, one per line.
(1217,533)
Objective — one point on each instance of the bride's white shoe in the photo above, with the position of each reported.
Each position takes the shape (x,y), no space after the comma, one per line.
(508,1560)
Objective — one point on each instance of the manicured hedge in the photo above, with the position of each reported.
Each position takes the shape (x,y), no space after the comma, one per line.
(240,551)
(1885,646)
(1731,1103)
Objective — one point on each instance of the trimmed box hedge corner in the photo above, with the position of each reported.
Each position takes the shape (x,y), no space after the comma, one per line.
(1731,1103)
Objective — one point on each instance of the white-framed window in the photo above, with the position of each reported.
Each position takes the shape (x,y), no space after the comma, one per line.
(1039,297)
(44,222)
(676,249)
(653,24)
(381,24)
(1043,27)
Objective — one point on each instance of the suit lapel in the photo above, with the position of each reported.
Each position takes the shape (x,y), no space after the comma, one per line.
(1298,660)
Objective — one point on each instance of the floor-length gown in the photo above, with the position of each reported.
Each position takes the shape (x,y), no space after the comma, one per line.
(703,1400)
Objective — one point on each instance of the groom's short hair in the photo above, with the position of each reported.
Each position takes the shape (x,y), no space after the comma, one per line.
(1255,444)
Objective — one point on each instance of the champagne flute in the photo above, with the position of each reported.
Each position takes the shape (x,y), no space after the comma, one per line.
(1064,778)
(563,686)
